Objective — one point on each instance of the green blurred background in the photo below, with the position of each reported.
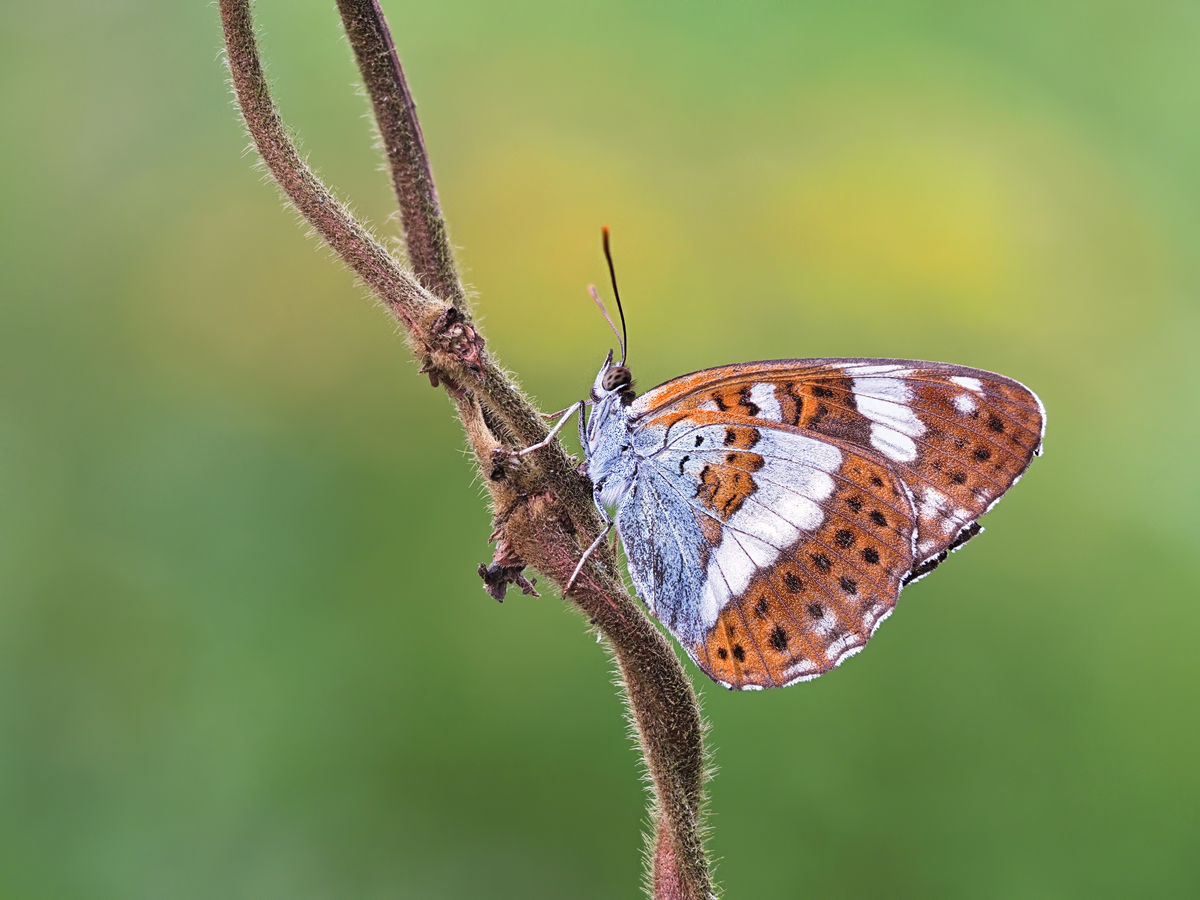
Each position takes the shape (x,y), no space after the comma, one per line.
(243,649)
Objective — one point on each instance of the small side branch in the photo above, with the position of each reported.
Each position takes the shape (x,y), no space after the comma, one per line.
(425,235)
(368,258)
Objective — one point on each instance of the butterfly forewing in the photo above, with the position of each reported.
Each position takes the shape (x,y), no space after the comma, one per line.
(801,543)
(957,437)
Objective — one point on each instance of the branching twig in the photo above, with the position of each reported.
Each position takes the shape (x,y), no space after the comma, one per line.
(400,132)
(366,256)
(542,505)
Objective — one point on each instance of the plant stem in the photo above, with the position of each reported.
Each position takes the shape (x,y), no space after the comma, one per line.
(400,133)
(366,256)
(542,505)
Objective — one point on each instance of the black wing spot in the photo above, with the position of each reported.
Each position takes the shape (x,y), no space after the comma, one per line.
(779,638)
(816,610)
(854,503)
(682,462)
(982,455)
(793,582)
(699,439)
(877,481)
(879,518)
(722,652)
(958,478)
(844,538)
(871,555)
(730,436)
(738,653)
(820,391)
(849,585)
(996,424)
(760,608)
(821,561)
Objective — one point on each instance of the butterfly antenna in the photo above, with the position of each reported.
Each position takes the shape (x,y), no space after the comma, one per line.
(612,274)
(607,318)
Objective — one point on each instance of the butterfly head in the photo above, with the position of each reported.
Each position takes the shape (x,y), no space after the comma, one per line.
(613,381)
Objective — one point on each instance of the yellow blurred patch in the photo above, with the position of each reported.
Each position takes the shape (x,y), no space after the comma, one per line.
(972,217)
(926,222)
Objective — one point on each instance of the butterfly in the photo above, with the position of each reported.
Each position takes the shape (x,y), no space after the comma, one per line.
(771,512)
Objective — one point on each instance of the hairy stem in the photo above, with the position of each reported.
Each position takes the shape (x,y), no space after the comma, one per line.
(404,295)
(542,504)
(663,704)
(412,176)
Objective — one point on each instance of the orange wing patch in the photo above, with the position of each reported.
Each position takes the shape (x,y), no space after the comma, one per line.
(797,402)
(731,398)
(726,485)
(824,597)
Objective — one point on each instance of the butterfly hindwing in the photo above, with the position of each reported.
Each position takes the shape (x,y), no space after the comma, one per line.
(770,553)
(957,437)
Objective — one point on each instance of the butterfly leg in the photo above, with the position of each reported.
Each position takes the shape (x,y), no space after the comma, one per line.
(555,415)
(558,426)
(588,552)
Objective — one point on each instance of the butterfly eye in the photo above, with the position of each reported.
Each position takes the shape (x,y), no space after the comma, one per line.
(617,377)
